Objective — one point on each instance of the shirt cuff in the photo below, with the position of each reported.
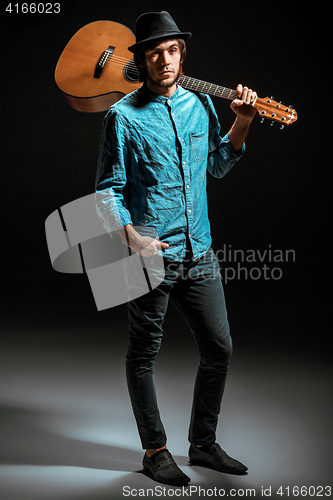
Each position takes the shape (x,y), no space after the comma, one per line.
(232,151)
(125,217)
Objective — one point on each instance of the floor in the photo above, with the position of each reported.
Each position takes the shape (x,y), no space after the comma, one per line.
(67,430)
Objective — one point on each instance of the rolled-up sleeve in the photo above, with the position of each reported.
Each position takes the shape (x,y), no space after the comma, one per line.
(222,156)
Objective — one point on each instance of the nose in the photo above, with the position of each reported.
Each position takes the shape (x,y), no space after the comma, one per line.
(165,58)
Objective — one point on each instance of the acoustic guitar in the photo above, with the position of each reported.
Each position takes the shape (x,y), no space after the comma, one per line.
(95,70)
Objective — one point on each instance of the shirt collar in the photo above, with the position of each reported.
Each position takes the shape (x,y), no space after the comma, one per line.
(159,98)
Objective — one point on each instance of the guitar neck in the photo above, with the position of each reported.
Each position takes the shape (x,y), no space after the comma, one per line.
(189,83)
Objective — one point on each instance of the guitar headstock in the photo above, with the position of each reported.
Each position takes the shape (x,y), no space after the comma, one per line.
(275,111)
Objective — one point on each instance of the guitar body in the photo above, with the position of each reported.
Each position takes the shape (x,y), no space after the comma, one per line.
(75,70)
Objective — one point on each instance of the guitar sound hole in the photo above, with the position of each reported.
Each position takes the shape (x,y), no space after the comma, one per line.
(131,73)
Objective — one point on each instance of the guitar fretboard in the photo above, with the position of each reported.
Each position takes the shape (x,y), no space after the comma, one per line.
(189,83)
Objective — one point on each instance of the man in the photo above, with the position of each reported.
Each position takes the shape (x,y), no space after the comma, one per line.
(157,145)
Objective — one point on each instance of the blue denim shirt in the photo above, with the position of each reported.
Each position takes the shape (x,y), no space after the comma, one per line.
(154,155)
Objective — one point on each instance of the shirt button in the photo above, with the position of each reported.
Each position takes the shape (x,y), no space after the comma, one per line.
(190,211)
(187,187)
(189,235)
(173,114)
(184,162)
(169,102)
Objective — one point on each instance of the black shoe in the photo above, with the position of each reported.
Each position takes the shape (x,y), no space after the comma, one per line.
(216,459)
(165,470)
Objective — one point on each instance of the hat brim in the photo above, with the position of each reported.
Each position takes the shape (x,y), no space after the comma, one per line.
(185,35)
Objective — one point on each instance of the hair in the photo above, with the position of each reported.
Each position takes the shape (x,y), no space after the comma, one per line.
(140,55)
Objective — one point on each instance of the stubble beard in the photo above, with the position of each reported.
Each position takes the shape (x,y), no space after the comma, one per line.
(164,83)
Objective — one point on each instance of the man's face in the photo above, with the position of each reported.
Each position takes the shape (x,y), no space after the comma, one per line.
(163,66)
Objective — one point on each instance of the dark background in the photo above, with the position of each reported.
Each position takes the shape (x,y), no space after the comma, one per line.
(278,195)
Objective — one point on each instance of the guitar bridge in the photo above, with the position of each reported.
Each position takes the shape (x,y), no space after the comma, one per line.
(103,60)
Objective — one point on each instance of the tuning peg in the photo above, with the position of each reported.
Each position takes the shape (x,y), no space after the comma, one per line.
(272,97)
(272,123)
(262,120)
(291,107)
(281,126)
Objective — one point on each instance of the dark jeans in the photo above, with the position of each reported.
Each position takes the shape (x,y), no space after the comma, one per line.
(196,290)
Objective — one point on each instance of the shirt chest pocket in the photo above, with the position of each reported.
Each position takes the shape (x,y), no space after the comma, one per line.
(199,145)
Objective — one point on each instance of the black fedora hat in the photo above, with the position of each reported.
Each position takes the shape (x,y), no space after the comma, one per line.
(154,26)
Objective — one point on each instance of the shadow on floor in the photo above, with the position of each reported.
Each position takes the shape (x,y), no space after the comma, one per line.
(36,461)
(26,440)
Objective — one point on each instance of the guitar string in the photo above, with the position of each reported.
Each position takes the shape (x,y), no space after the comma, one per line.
(188,81)
(132,66)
